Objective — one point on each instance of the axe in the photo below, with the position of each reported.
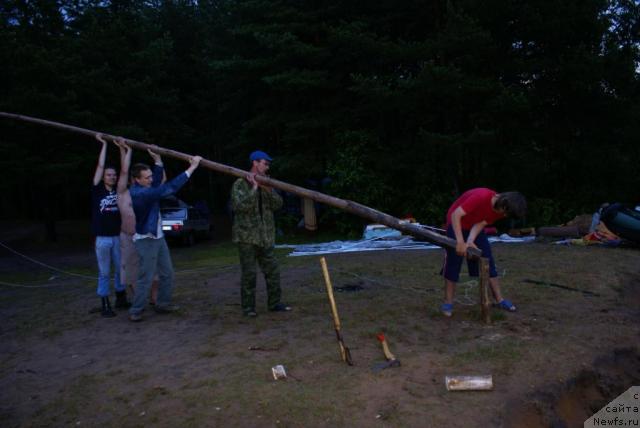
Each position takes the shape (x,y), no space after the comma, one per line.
(392,361)
(344,351)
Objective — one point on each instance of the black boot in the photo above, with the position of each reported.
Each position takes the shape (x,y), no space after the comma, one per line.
(121,300)
(107,312)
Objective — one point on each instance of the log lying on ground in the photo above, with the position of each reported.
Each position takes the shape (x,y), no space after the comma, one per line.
(345,205)
(559,231)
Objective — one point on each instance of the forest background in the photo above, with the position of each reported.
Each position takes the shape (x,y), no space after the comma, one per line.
(397,105)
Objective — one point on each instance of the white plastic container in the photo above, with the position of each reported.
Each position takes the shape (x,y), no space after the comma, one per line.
(278,372)
(469,383)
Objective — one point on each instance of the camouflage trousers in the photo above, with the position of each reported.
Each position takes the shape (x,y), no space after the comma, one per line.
(265,257)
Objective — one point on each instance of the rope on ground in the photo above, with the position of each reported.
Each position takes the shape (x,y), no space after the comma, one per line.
(467,300)
(59,284)
(44,264)
(212,268)
(10,284)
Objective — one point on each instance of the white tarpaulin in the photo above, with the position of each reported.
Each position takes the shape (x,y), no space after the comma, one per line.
(380,243)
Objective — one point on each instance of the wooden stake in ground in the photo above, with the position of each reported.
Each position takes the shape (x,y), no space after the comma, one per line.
(484,290)
(344,351)
(345,205)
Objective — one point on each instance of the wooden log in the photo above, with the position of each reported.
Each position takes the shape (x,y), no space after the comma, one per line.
(484,290)
(355,208)
(559,231)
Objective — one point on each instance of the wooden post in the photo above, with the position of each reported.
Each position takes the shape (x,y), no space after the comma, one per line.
(343,204)
(484,290)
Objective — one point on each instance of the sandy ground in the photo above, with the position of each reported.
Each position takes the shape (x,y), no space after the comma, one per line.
(555,362)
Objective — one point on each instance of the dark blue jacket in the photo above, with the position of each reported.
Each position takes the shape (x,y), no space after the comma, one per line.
(146,200)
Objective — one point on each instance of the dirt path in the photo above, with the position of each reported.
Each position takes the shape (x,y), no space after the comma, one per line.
(61,366)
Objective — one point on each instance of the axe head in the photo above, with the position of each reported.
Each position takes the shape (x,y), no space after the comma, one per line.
(387,364)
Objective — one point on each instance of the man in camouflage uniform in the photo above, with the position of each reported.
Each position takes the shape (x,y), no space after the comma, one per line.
(254,231)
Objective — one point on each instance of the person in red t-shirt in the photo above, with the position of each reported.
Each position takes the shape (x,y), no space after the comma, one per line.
(466,220)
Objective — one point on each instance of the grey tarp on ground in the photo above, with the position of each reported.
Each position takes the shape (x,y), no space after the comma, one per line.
(380,243)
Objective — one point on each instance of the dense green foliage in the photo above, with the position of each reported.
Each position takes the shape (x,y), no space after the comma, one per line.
(402,104)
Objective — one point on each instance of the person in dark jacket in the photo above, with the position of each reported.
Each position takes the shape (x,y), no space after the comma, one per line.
(149,241)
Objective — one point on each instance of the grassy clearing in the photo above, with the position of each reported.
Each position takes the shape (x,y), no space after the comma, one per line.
(196,368)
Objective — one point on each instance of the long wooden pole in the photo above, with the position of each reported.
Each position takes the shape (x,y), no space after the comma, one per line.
(345,205)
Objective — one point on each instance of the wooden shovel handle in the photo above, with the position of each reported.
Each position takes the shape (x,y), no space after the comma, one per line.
(327,281)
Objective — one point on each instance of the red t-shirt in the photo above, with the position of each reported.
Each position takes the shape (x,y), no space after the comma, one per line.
(477,204)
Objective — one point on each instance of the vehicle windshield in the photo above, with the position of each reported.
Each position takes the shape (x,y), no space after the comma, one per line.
(174,213)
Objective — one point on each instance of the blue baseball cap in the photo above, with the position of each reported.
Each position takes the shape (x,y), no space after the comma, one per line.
(259,155)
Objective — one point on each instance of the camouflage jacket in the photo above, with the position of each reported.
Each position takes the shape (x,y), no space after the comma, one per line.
(250,226)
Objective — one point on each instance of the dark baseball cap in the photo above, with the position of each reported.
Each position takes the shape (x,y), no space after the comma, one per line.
(259,155)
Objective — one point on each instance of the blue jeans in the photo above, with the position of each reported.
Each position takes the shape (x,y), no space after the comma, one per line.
(153,257)
(107,252)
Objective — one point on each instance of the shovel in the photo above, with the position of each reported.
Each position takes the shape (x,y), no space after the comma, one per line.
(344,351)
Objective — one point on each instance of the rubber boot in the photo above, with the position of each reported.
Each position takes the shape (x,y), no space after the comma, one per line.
(107,312)
(121,300)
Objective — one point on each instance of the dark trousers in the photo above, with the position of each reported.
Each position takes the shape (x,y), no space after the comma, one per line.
(153,256)
(453,262)
(265,257)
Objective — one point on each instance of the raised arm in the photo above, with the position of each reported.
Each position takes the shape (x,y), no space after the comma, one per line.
(167,189)
(157,161)
(125,164)
(194,162)
(97,176)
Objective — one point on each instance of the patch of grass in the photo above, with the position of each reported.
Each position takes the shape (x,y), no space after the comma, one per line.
(68,405)
(219,382)
(211,255)
(155,392)
(304,237)
(138,377)
(497,316)
(122,398)
(210,353)
(506,351)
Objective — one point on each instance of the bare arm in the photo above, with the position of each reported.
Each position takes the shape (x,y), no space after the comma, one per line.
(97,176)
(194,162)
(456,216)
(157,160)
(125,164)
(475,231)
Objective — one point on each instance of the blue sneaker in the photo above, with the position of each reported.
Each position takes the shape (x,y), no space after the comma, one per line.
(447,309)
(506,305)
